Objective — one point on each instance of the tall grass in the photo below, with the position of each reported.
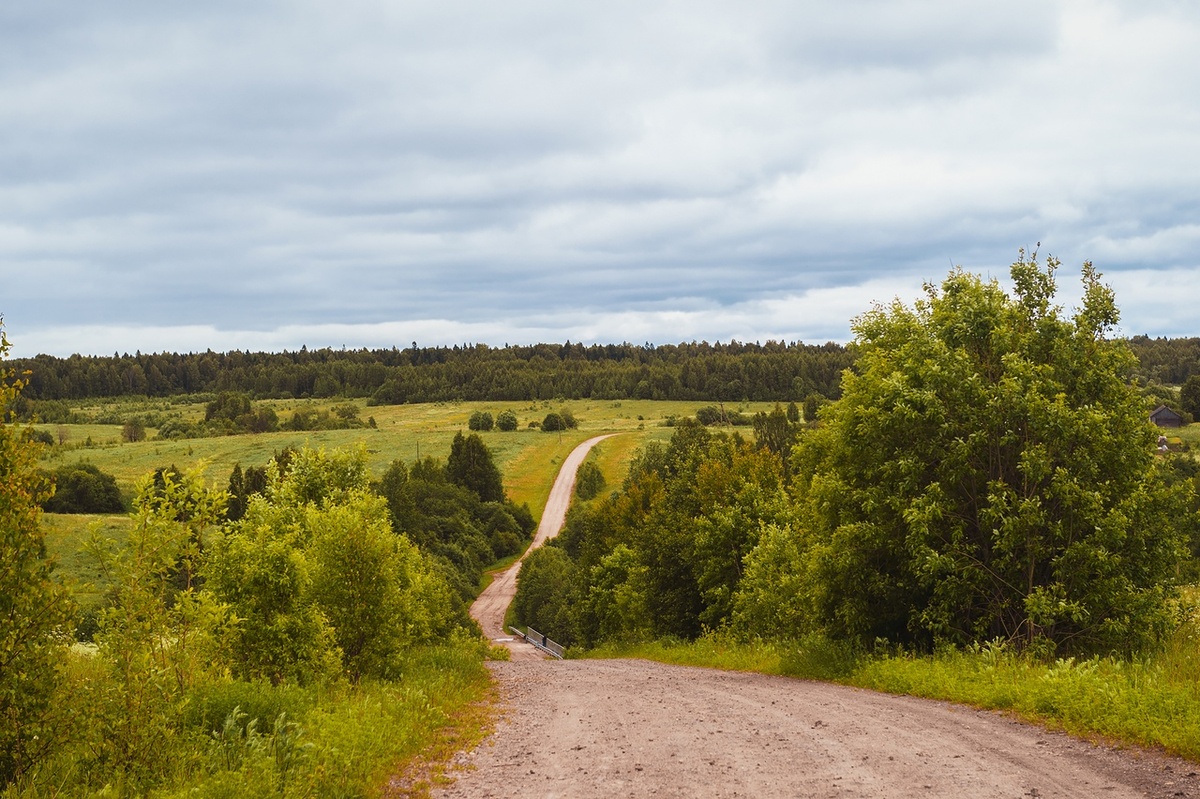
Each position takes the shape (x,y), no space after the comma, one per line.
(1152,701)
(237,739)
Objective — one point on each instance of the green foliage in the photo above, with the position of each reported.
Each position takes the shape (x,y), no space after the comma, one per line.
(553,423)
(470,465)
(545,593)
(243,485)
(315,575)
(153,638)
(1189,396)
(772,599)
(481,421)
(774,431)
(133,430)
(35,613)
(231,413)
(83,488)
(664,556)
(711,415)
(686,372)
(1164,360)
(238,739)
(259,569)
(989,473)
(339,417)
(812,406)
(616,608)
(228,406)
(377,591)
(506,421)
(451,523)
(589,480)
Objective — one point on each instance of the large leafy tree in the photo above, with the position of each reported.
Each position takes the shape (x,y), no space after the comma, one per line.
(989,472)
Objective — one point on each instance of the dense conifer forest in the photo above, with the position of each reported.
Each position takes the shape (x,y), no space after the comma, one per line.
(732,371)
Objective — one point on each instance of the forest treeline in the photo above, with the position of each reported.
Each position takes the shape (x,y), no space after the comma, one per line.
(691,371)
(703,371)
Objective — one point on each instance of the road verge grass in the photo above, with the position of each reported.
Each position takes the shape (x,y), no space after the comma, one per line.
(233,738)
(1153,701)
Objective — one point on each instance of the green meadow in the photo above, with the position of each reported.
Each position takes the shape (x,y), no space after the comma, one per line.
(527,457)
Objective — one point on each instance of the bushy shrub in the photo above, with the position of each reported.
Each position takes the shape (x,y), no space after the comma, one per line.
(589,480)
(133,430)
(317,576)
(711,415)
(506,421)
(84,488)
(481,421)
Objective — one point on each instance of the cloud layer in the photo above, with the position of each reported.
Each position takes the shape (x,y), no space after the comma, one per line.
(261,176)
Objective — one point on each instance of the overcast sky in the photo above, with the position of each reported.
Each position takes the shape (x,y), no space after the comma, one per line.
(232,175)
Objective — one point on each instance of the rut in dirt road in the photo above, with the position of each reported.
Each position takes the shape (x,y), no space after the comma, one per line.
(491,605)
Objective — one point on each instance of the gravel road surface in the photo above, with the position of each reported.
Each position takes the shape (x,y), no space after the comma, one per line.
(631,728)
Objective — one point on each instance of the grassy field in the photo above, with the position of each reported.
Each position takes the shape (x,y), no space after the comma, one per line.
(528,458)
(65,539)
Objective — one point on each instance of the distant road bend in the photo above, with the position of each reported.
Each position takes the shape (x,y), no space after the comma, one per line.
(491,606)
(629,728)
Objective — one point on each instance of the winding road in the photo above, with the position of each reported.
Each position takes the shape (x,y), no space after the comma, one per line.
(492,604)
(629,728)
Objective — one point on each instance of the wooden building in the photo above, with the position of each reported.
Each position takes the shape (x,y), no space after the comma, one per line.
(1165,417)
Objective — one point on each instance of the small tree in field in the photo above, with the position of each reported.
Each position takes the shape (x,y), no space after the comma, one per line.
(34,609)
(506,421)
(133,430)
(989,472)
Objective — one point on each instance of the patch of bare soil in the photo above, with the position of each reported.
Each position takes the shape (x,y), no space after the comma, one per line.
(639,729)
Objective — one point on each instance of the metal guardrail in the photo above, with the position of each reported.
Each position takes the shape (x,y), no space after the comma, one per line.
(540,641)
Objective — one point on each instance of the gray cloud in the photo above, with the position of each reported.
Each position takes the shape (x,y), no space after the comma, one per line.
(233,173)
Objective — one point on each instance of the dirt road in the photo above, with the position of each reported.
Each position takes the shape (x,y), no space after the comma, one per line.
(638,729)
(491,605)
